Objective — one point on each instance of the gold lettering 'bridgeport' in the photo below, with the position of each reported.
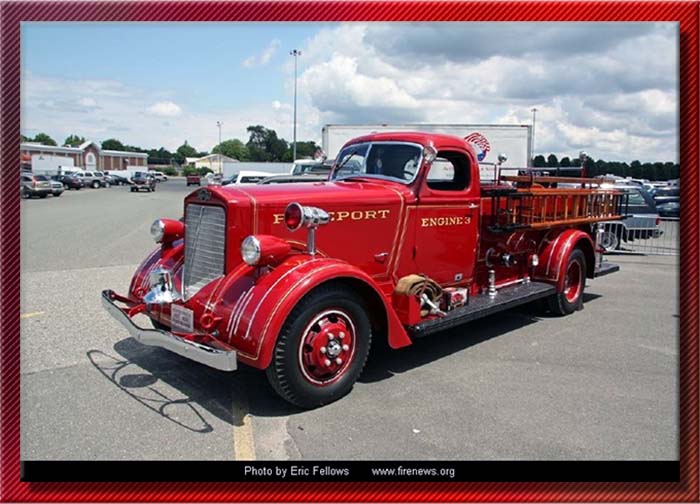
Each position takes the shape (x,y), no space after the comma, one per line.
(346,215)
(445,221)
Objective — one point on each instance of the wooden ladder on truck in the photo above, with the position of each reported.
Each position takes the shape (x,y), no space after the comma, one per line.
(531,203)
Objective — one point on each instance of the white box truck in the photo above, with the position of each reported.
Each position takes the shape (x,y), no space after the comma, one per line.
(489,140)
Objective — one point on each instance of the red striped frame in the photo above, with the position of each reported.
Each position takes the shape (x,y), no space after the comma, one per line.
(12,13)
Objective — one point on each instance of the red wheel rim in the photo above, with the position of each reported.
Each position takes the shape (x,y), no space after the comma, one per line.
(573,281)
(327,347)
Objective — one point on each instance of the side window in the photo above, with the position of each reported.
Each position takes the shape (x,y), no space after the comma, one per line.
(449,172)
(251,180)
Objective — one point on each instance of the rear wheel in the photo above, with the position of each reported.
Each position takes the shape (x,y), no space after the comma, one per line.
(95,184)
(570,298)
(321,349)
(43,195)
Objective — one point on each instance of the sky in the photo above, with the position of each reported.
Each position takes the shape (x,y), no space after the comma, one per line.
(610,89)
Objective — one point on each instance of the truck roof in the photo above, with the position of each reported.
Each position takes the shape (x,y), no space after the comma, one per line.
(439,140)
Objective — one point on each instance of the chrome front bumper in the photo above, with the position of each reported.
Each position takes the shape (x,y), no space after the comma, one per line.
(225,360)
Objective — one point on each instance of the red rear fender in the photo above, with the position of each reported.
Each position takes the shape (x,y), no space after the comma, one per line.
(554,254)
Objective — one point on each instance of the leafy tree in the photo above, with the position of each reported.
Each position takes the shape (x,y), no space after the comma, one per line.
(45,139)
(23,138)
(74,140)
(113,144)
(159,156)
(539,161)
(233,148)
(552,161)
(264,145)
(186,150)
(565,162)
(304,150)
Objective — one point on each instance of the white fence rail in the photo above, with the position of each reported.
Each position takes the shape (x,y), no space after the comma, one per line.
(629,237)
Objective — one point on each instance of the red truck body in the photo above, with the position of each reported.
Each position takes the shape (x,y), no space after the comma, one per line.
(495,245)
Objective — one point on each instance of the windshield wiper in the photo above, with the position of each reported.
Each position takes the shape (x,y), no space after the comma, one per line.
(341,165)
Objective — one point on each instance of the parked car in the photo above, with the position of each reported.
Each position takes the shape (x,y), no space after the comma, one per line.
(246,177)
(159,176)
(69,181)
(667,194)
(119,180)
(669,209)
(292,179)
(34,185)
(92,179)
(56,187)
(143,180)
(640,219)
(193,180)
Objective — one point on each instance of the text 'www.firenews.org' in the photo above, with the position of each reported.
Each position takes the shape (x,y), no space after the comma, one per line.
(433,472)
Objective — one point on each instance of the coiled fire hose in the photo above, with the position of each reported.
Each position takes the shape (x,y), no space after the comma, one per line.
(426,290)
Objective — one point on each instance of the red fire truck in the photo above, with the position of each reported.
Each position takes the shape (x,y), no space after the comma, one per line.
(403,240)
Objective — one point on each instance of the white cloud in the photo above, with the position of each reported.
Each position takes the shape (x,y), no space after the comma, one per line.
(264,57)
(165,109)
(610,88)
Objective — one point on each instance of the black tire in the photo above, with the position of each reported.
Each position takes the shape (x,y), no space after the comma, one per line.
(57,194)
(153,188)
(107,184)
(291,372)
(570,298)
(132,189)
(77,188)
(26,194)
(95,184)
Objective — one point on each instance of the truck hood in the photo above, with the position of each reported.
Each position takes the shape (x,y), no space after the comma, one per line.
(363,231)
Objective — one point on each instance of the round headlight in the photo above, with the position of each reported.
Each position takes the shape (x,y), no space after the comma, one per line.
(250,250)
(157,230)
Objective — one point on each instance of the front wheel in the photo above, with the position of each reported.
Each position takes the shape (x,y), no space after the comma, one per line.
(570,298)
(322,348)
(95,184)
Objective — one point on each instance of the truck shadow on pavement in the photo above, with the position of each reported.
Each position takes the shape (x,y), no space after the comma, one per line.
(188,394)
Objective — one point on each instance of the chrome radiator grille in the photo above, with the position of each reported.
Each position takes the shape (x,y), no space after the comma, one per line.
(205,236)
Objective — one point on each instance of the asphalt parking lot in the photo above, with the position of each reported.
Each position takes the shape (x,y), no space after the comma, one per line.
(601,384)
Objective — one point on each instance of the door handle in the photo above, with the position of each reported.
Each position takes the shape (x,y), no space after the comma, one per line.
(381,257)
(472,206)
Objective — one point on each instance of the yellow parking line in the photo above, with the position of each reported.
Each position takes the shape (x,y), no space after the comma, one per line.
(243,443)
(31,314)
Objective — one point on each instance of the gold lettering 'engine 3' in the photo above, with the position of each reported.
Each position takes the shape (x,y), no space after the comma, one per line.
(346,215)
(445,221)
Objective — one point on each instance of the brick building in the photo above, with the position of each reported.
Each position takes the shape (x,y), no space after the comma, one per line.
(88,156)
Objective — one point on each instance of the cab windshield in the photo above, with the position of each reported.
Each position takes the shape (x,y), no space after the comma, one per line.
(393,160)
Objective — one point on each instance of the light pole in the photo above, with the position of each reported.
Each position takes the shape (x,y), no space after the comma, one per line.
(532,148)
(218,124)
(296,53)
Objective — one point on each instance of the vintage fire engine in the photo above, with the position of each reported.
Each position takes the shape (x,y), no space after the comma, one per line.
(402,241)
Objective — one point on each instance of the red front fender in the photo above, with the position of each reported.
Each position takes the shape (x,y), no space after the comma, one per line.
(262,309)
(554,255)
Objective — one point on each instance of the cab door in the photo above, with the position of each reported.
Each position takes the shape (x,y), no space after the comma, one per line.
(447,220)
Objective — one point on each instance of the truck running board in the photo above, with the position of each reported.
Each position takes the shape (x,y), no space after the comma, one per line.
(483,305)
(605,269)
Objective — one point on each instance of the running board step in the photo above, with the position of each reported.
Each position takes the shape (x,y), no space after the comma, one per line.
(483,305)
(605,269)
